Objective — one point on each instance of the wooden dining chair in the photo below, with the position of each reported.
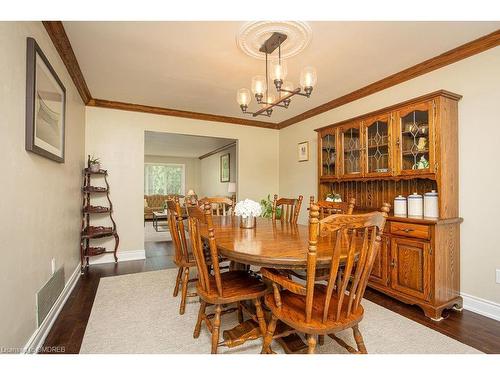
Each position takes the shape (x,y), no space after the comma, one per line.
(218,288)
(326,208)
(221,206)
(184,259)
(330,208)
(326,309)
(290,209)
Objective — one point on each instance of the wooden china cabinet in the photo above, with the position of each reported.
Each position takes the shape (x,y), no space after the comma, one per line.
(405,148)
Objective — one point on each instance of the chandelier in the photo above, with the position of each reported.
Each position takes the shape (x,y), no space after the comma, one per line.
(284,89)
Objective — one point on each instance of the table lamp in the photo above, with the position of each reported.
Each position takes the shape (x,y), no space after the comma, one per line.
(191,197)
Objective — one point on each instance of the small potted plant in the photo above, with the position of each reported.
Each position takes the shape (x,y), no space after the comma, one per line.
(94,164)
(267,208)
(248,211)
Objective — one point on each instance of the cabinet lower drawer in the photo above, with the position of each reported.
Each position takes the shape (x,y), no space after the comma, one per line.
(410,230)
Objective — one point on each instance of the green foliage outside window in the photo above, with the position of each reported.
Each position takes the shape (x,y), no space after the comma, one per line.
(163,179)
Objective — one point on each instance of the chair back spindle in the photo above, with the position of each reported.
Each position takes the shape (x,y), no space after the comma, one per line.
(221,206)
(198,216)
(290,209)
(177,230)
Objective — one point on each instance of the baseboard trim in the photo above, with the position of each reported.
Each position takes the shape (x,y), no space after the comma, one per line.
(38,337)
(481,306)
(123,256)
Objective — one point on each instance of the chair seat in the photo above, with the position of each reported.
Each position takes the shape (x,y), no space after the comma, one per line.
(236,286)
(293,307)
(321,274)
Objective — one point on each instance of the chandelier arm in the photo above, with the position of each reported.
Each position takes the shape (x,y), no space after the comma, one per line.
(277,105)
(253,114)
(276,102)
(294,91)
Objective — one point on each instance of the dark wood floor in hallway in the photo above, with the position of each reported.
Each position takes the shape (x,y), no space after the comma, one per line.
(467,327)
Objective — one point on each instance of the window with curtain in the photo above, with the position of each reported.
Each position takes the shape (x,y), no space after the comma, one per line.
(164,179)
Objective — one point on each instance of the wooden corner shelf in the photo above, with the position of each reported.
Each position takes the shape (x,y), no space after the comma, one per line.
(95,189)
(88,231)
(87,171)
(96,210)
(97,232)
(93,251)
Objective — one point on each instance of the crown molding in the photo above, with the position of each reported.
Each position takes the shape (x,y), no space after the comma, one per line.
(219,149)
(179,113)
(459,53)
(59,38)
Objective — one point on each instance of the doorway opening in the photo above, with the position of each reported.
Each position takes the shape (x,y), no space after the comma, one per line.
(182,165)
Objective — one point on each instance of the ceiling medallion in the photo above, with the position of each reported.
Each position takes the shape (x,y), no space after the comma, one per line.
(253,35)
(281,94)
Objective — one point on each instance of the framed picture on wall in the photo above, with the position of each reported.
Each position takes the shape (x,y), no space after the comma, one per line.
(45,106)
(224,168)
(303,150)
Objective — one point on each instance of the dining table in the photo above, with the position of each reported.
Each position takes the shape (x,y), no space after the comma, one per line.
(271,244)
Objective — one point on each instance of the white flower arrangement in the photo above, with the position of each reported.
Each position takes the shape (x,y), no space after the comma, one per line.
(248,208)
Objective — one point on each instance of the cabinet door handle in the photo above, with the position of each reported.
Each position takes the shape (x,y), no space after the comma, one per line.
(397,141)
(408,230)
(393,263)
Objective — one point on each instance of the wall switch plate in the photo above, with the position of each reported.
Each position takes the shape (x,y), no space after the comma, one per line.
(53,265)
(498,276)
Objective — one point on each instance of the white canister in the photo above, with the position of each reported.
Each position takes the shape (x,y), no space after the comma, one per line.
(415,205)
(400,206)
(431,206)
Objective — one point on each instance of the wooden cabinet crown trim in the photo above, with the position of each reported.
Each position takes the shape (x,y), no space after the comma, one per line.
(395,107)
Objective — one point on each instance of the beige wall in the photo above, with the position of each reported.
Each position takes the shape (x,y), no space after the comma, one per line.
(41,200)
(478,80)
(191,168)
(210,174)
(118,138)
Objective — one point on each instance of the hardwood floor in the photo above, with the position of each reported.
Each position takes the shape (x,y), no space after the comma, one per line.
(467,327)
(69,328)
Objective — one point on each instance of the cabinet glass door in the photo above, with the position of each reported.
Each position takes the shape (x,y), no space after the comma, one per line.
(328,154)
(351,141)
(415,141)
(377,145)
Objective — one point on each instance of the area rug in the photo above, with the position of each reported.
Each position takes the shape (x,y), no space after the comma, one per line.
(137,314)
(151,235)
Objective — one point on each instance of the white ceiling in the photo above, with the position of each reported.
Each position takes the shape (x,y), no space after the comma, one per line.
(197,66)
(180,145)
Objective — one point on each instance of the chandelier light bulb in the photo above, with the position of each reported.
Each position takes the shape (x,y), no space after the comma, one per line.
(258,85)
(243,97)
(308,77)
(279,70)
